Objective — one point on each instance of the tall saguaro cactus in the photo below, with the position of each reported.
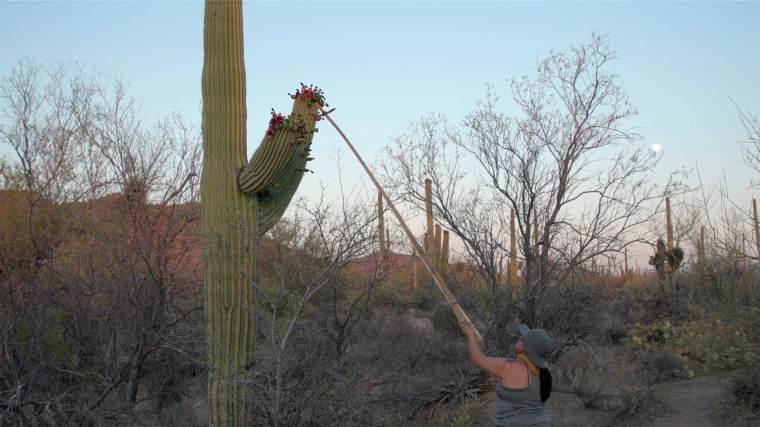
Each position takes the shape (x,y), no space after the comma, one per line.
(383,255)
(444,269)
(429,221)
(240,200)
(437,240)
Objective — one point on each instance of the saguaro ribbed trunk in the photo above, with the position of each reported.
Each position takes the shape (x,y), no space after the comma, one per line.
(383,255)
(240,201)
(445,255)
(430,241)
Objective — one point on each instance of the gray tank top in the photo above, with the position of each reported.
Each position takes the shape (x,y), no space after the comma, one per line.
(521,406)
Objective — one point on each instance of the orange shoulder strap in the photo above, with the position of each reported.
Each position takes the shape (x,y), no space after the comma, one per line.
(531,366)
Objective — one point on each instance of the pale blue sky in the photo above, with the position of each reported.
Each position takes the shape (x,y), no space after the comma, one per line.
(383,64)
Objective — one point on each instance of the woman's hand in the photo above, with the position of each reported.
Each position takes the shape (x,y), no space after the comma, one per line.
(467,329)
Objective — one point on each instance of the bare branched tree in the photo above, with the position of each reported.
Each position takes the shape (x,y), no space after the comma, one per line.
(751,147)
(302,256)
(95,291)
(569,167)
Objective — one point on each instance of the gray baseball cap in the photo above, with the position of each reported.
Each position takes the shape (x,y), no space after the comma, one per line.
(537,345)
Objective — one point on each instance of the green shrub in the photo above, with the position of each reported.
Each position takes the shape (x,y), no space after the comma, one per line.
(708,345)
(445,321)
(358,297)
(388,295)
(659,332)
(279,300)
(460,420)
(426,297)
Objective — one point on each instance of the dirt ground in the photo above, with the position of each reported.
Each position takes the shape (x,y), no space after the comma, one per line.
(699,402)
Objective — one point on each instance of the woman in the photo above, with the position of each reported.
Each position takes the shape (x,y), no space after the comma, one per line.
(524,383)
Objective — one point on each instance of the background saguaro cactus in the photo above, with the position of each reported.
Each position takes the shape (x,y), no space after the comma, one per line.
(430,240)
(240,201)
(383,255)
(444,269)
(437,240)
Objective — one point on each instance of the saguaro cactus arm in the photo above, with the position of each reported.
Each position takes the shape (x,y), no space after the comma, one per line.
(284,138)
(275,199)
(289,140)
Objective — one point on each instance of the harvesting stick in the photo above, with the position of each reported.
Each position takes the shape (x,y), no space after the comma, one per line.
(461,316)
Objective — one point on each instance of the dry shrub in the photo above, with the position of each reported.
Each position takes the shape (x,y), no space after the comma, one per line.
(742,407)
(617,311)
(626,395)
(634,401)
(583,375)
(725,282)
(615,334)
(573,310)
(588,384)
(572,313)
(728,414)
(663,364)
(746,390)
(674,306)
(426,297)
(627,305)
(179,414)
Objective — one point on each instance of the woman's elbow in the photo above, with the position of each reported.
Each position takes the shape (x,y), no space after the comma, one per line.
(477,361)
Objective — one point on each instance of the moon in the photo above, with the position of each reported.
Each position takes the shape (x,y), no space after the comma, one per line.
(656,147)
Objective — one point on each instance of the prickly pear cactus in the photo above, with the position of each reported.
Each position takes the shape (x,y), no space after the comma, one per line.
(240,200)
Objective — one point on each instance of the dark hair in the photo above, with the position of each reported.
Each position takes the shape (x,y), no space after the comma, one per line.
(546,383)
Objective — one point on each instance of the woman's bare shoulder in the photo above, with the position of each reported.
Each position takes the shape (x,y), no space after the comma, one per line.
(517,363)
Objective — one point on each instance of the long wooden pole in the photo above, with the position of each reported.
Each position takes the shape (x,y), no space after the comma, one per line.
(461,316)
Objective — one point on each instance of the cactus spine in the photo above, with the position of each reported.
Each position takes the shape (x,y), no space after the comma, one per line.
(240,201)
